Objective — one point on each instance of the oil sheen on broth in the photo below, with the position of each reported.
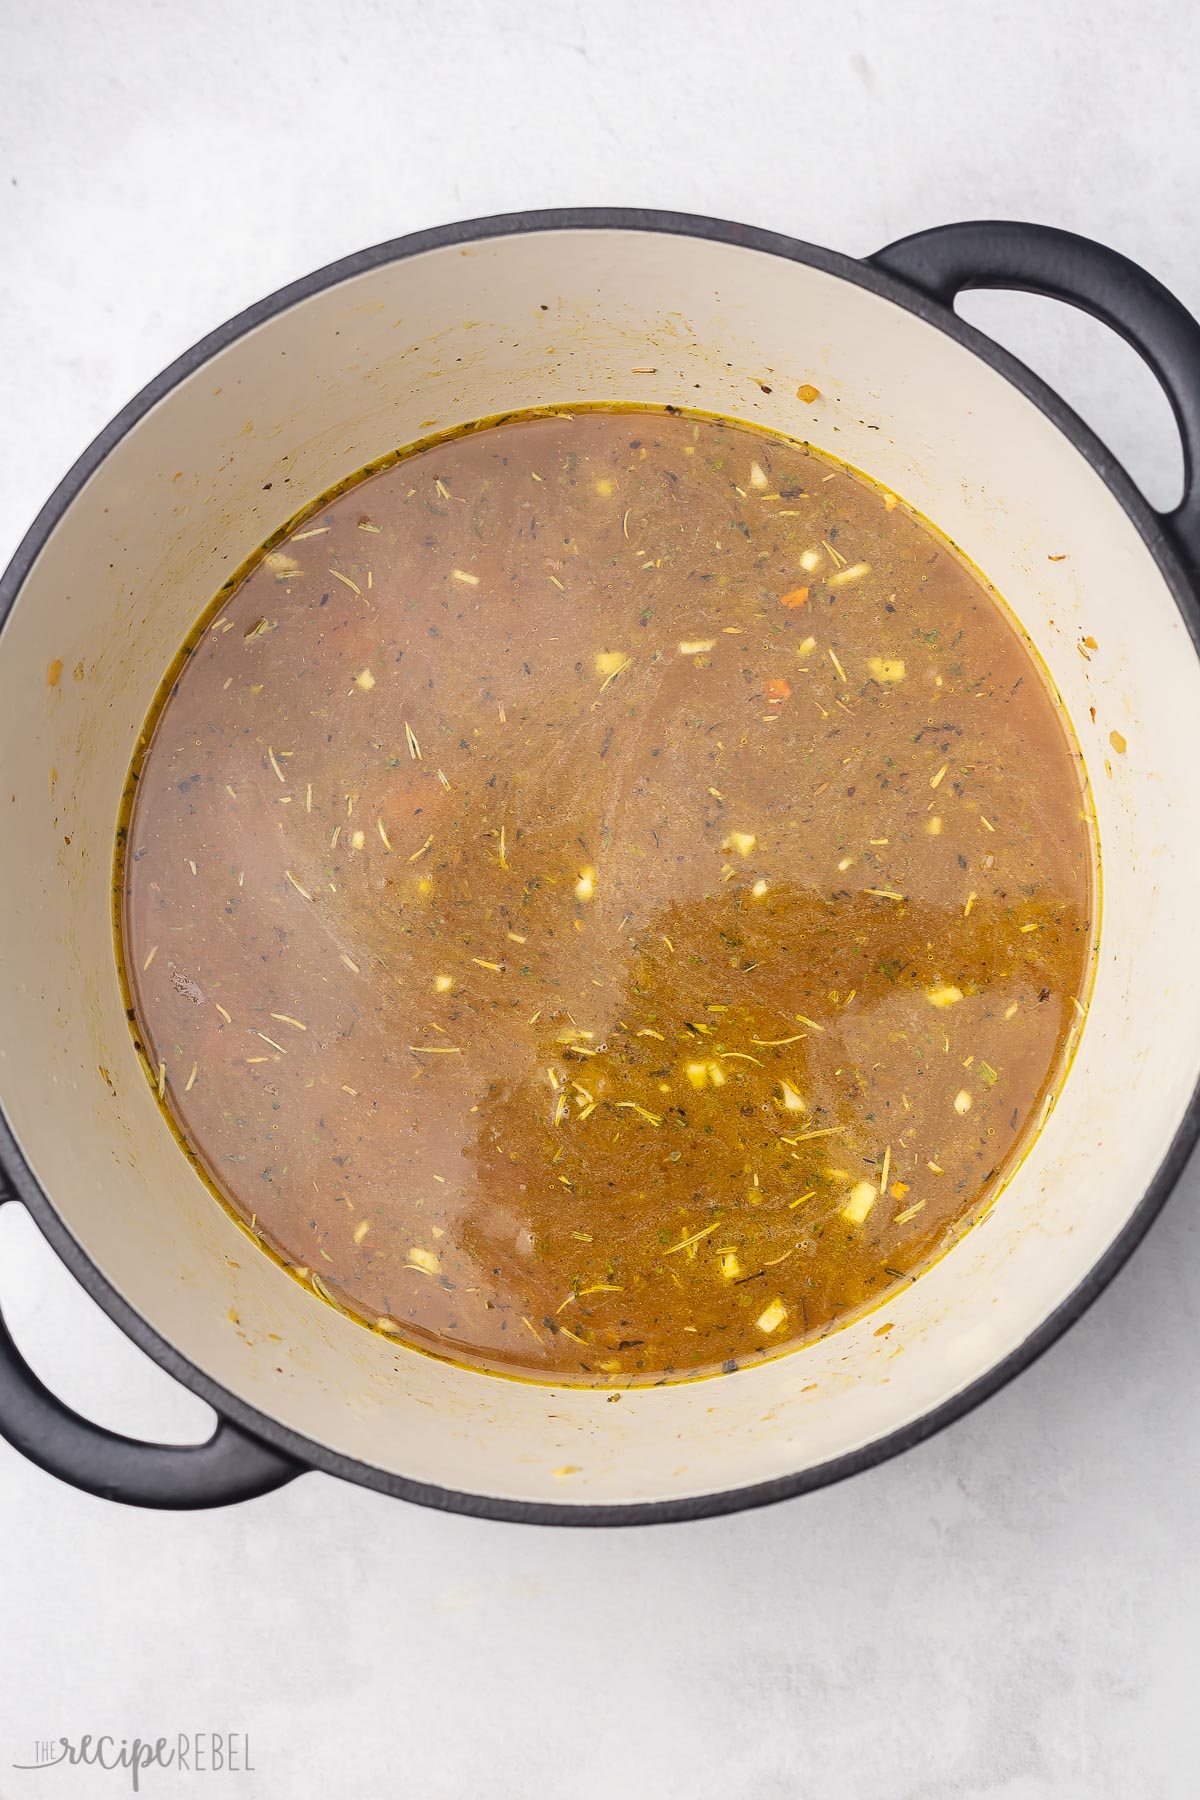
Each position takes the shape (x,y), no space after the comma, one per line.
(607,896)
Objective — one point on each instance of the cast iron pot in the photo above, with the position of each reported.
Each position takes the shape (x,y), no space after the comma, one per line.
(475,319)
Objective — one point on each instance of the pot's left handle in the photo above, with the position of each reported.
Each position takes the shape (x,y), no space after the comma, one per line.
(231,1466)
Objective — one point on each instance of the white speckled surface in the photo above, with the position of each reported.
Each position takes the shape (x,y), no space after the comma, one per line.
(1009,1611)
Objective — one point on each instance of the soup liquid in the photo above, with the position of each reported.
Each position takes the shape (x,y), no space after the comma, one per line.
(607,897)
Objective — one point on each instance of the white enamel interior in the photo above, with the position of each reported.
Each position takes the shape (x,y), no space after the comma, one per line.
(377,361)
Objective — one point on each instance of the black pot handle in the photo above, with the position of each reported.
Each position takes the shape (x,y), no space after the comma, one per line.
(231,1466)
(1039,259)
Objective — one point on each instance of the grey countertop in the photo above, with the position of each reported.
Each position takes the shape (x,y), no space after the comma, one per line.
(1009,1611)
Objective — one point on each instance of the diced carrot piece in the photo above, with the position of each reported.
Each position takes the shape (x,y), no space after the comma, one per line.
(797,597)
(776,690)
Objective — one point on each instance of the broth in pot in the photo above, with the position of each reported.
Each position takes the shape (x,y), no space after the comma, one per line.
(606,897)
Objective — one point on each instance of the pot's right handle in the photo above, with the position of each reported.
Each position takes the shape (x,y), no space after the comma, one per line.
(1039,259)
(230,1466)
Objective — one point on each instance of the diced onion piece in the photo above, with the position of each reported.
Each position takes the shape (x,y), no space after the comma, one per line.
(886,669)
(424,1260)
(851,573)
(858,1207)
(944,995)
(962,1102)
(791,1099)
(585,887)
(772,1316)
(741,841)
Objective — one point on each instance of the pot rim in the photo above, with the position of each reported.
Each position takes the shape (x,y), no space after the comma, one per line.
(309,1454)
